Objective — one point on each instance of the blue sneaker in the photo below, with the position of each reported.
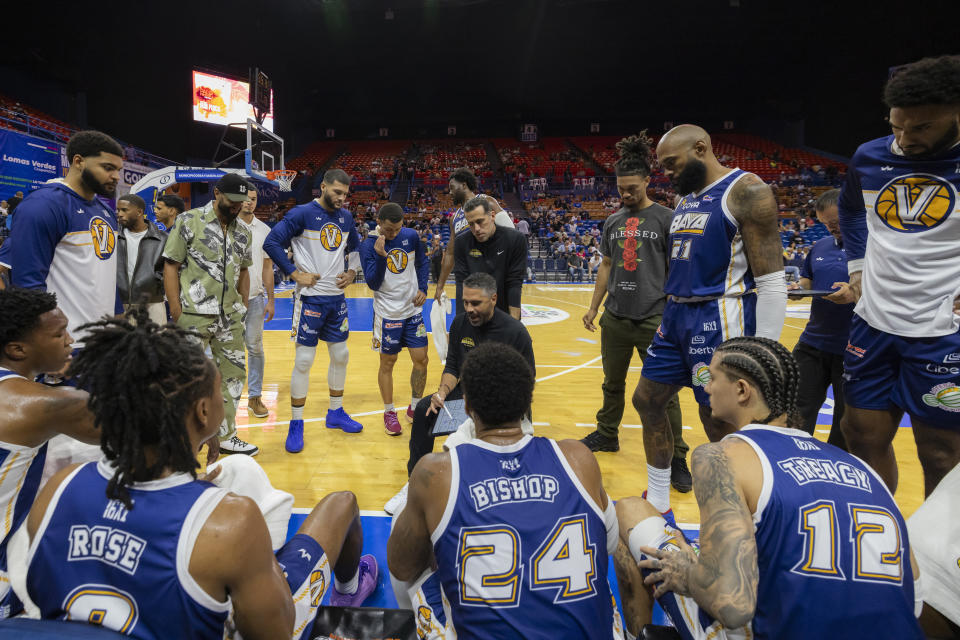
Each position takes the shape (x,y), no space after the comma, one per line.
(667,515)
(295,436)
(338,419)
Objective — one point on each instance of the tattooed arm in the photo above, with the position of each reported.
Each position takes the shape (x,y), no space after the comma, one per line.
(755,209)
(752,204)
(723,579)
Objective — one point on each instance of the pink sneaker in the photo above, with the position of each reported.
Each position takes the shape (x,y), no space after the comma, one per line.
(391,424)
(366,585)
(409,413)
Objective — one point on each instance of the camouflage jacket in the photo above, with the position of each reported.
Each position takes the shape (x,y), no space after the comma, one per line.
(210,263)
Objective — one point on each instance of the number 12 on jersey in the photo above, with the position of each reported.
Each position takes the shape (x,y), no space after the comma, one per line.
(875,540)
(490,570)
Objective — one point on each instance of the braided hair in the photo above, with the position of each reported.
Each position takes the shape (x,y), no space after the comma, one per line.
(636,156)
(143,380)
(769,367)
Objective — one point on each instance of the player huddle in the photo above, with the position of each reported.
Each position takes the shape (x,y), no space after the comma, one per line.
(509,535)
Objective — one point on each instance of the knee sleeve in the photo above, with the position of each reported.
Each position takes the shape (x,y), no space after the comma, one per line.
(302,361)
(337,372)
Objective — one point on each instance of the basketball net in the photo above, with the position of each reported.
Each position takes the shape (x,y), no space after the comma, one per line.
(284,178)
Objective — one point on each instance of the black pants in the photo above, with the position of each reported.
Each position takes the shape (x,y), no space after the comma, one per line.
(819,370)
(435,269)
(421,433)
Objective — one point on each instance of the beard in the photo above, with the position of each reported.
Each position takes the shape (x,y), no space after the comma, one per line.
(106,190)
(945,142)
(227,212)
(692,178)
(328,203)
(459,198)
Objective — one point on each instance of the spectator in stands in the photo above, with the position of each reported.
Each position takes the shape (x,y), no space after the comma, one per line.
(575,266)
(523,227)
(3,207)
(594,264)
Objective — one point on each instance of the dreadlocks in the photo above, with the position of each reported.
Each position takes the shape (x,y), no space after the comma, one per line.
(635,156)
(143,380)
(769,367)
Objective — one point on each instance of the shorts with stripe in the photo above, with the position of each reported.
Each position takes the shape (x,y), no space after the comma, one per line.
(391,336)
(688,334)
(307,570)
(318,318)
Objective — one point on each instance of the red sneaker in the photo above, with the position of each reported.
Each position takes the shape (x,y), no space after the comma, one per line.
(390,423)
(409,413)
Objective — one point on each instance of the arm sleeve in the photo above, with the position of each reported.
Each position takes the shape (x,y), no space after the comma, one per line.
(806,271)
(516,271)
(33,242)
(175,249)
(452,364)
(374,265)
(422,265)
(276,243)
(853,219)
(503,219)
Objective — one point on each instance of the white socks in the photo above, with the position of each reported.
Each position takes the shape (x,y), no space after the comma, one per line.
(296,413)
(387,407)
(414,402)
(348,588)
(658,488)
(336,402)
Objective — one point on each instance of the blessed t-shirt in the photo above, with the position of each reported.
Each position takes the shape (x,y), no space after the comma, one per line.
(637,243)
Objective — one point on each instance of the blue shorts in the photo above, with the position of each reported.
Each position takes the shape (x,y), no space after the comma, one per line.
(688,334)
(921,376)
(323,318)
(307,570)
(390,336)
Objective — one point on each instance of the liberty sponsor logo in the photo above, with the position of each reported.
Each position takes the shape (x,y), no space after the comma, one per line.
(699,340)
(700,351)
(941,370)
(951,357)
(944,396)
(701,374)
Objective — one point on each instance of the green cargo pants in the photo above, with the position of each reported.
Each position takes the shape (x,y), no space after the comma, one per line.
(618,338)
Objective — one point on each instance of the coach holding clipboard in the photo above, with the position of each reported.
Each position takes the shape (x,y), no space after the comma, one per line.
(819,352)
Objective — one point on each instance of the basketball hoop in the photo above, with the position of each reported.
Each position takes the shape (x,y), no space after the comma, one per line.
(284,178)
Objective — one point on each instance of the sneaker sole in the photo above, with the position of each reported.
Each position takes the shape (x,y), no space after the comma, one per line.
(240,453)
(392,433)
(682,489)
(258,415)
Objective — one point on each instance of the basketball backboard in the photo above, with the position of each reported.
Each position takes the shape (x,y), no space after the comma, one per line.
(251,147)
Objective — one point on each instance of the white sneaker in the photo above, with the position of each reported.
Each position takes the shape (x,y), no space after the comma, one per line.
(236,445)
(396,504)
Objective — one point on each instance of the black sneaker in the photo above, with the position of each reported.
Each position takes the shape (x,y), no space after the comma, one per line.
(680,476)
(596,441)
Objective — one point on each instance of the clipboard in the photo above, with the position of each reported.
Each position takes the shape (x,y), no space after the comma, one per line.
(449,423)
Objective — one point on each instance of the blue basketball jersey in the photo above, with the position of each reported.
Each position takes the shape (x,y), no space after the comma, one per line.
(459,222)
(522,547)
(94,560)
(20,471)
(832,546)
(706,256)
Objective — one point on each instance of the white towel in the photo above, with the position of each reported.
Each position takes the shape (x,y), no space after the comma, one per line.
(467,431)
(244,477)
(438,325)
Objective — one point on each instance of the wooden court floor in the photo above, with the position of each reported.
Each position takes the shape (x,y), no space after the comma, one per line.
(566,399)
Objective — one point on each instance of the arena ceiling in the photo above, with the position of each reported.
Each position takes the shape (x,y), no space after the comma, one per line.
(411,64)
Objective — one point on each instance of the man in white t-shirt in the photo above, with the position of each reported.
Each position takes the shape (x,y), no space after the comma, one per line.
(261,305)
(140,259)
